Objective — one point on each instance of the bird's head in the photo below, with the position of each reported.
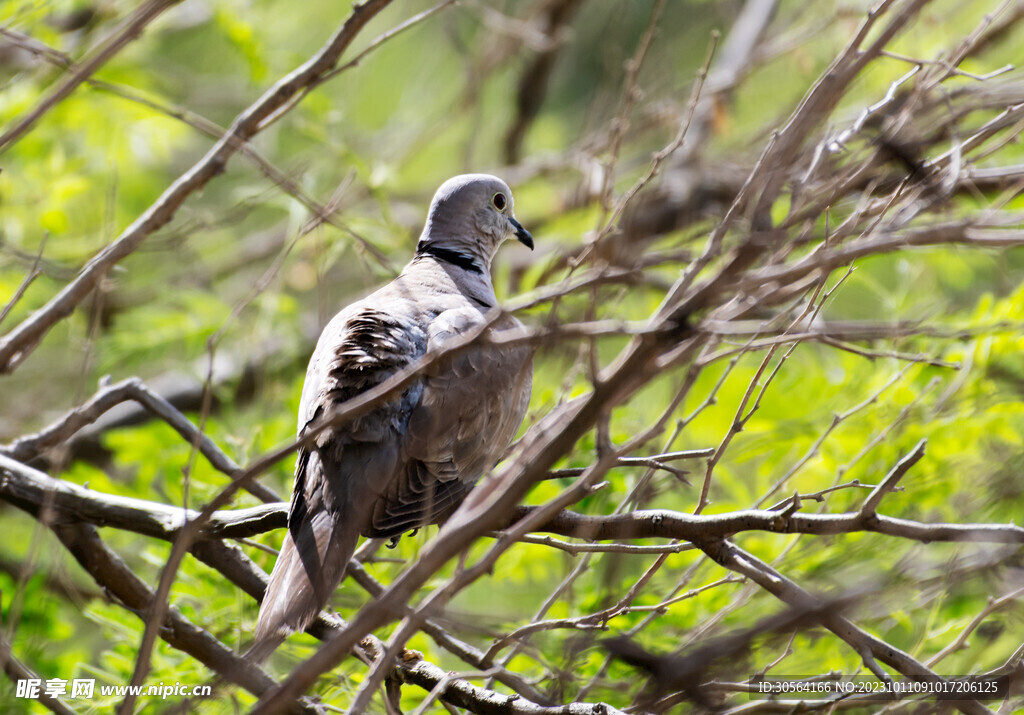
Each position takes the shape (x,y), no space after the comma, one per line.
(473,213)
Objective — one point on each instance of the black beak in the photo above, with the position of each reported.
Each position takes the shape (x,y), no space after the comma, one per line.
(521,233)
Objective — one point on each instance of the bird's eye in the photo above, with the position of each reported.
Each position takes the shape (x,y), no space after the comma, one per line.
(499,201)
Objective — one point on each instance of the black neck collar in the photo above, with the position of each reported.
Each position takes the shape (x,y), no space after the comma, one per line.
(464,261)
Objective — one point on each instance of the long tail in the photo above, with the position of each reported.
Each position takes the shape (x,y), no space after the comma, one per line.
(303,579)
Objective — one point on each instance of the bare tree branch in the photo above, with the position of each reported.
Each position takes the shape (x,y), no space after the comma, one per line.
(825,191)
(15,670)
(116,578)
(62,431)
(19,343)
(33,491)
(535,78)
(117,41)
(868,646)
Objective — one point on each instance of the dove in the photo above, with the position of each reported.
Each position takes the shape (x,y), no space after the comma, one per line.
(410,460)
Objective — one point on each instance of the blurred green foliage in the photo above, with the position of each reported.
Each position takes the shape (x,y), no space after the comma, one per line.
(412,114)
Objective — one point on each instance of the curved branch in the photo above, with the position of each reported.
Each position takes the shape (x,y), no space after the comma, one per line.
(132,28)
(665,524)
(70,505)
(32,490)
(133,389)
(869,647)
(114,576)
(19,343)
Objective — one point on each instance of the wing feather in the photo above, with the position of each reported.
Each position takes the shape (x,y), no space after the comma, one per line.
(470,407)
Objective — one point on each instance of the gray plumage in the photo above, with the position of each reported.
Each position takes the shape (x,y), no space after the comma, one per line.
(411,460)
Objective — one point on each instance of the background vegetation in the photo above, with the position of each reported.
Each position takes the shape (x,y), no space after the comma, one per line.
(781,364)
